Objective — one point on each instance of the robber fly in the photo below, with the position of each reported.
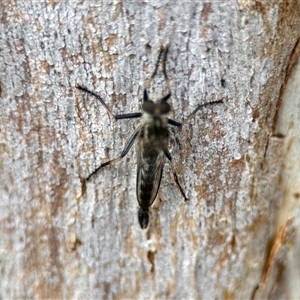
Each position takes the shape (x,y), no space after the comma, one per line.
(152,142)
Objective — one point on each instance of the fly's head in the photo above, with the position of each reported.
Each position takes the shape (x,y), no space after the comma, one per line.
(156,108)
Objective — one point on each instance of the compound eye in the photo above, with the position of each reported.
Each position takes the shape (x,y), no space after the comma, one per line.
(164,108)
(149,107)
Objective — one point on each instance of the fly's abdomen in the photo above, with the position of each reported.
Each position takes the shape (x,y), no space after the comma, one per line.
(148,180)
(146,192)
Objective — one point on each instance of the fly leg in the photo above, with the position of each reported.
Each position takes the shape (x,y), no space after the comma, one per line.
(164,51)
(178,124)
(128,144)
(198,108)
(109,112)
(168,155)
(127,147)
(156,67)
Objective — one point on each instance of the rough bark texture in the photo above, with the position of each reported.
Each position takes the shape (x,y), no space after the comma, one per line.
(235,237)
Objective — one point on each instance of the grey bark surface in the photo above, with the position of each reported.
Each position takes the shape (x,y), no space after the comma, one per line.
(236,237)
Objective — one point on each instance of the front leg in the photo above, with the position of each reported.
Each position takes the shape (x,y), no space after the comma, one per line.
(198,108)
(116,117)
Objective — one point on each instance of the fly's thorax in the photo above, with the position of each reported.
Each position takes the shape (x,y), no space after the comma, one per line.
(155,120)
(155,131)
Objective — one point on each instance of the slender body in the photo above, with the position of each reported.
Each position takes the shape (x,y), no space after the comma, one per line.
(152,143)
(153,139)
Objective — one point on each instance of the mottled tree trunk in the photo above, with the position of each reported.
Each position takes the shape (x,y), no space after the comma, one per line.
(236,237)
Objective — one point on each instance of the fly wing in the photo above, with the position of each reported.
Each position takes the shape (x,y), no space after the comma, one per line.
(149,173)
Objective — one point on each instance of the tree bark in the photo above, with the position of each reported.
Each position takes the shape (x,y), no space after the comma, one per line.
(236,237)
